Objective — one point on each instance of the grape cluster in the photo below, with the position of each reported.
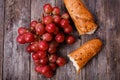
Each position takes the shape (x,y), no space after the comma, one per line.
(44,37)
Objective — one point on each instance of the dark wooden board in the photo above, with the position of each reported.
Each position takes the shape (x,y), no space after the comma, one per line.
(16,64)
(1,36)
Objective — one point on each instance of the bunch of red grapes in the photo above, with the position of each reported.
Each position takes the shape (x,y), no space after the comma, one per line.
(44,38)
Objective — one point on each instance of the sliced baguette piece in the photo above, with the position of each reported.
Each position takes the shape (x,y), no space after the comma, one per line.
(83,54)
(81,16)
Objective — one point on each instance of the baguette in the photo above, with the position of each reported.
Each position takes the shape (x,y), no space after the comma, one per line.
(83,54)
(82,18)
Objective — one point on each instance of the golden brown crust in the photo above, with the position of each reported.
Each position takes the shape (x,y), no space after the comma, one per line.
(84,53)
(80,15)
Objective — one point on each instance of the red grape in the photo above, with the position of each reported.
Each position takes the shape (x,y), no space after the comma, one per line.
(50,28)
(40,29)
(57,30)
(47,19)
(57,18)
(68,29)
(34,46)
(47,37)
(53,44)
(22,30)
(33,24)
(35,56)
(65,16)
(44,61)
(53,58)
(61,61)
(60,38)
(49,74)
(21,39)
(56,11)
(53,66)
(28,49)
(42,54)
(52,47)
(37,62)
(29,37)
(38,68)
(45,69)
(47,8)
(43,45)
(52,50)
(64,23)
(70,39)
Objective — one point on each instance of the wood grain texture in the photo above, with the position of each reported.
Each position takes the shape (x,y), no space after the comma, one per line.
(36,13)
(1,36)
(18,65)
(16,61)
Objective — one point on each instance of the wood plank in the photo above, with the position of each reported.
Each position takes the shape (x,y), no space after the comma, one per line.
(1,36)
(16,60)
(95,69)
(89,71)
(36,13)
(68,71)
(113,39)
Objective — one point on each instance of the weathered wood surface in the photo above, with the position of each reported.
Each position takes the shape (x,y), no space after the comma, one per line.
(16,64)
(1,35)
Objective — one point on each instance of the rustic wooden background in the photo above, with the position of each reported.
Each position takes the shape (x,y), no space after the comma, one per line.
(16,64)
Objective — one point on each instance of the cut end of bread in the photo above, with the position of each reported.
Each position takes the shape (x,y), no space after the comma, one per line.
(74,64)
(92,31)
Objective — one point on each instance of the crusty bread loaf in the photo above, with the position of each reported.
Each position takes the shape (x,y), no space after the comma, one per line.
(81,17)
(83,54)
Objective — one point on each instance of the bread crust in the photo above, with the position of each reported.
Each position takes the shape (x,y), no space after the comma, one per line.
(81,16)
(84,53)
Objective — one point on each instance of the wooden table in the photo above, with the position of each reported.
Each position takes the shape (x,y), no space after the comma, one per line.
(16,64)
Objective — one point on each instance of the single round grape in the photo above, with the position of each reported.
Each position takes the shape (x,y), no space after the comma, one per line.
(56,10)
(53,58)
(70,39)
(65,16)
(53,66)
(34,46)
(61,61)
(57,19)
(21,39)
(45,69)
(64,23)
(57,30)
(28,48)
(60,37)
(43,45)
(52,50)
(29,37)
(33,24)
(68,29)
(40,29)
(47,19)
(35,56)
(22,30)
(37,62)
(38,69)
(42,54)
(44,61)
(47,8)
(47,37)
(50,28)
